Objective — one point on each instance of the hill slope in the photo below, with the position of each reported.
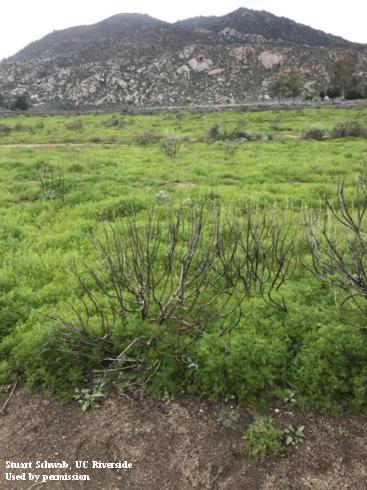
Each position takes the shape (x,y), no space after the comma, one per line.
(136,59)
(271,27)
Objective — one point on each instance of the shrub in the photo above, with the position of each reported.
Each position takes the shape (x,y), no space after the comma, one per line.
(170,146)
(160,288)
(331,367)
(76,167)
(230,148)
(96,139)
(120,208)
(44,359)
(353,94)
(248,369)
(275,123)
(338,253)
(352,128)
(162,197)
(114,121)
(262,438)
(147,137)
(334,92)
(52,183)
(215,132)
(239,133)
(5,129)
(315,133)
(76,125)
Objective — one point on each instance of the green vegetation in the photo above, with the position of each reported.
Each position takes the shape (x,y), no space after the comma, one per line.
(126,129)
(315,133)
(294,435)
(82,224)
(263,439)
(90,397)
(20,103)
(287,85)
(352,128)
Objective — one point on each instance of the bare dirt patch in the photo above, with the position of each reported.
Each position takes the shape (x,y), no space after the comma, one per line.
(184,185)
(183,444)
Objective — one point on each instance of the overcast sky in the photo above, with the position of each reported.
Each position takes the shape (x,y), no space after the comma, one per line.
(23,21)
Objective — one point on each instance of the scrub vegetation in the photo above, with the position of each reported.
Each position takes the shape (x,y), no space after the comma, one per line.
(219,254)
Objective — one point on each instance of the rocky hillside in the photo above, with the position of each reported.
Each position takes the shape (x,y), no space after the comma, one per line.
(133,59)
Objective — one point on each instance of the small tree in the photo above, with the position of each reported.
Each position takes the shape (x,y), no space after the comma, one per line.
(20,103)
(294,85)
(343,75)
(333,92)
(277,89)
(288,85)
(353,94)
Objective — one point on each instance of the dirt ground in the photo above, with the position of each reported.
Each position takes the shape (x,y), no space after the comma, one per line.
(180,445)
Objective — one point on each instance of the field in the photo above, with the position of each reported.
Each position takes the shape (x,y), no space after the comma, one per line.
(67,181)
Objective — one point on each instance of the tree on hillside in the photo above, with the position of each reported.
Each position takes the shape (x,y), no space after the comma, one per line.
(20,103)
(288,85)
(343,75)
(277,89)
(355,87)
(334,92)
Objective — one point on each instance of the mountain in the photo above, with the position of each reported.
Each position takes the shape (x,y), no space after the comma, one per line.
(134,59)
(110,38)
(271,27)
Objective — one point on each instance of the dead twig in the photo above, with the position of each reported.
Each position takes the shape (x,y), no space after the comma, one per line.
(3,408)
(217,476)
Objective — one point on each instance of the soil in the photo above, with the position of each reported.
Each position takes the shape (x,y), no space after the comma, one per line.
(184,185)
(186,444)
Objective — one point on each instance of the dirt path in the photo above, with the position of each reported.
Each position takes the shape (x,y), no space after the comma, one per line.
(182,445)
(57,145)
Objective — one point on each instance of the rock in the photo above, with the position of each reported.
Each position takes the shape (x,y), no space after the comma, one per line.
(117,82)
(184,69)
(187,52)
(216,71)
(242,53)
(229,32)
(200,63)
(269,59)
